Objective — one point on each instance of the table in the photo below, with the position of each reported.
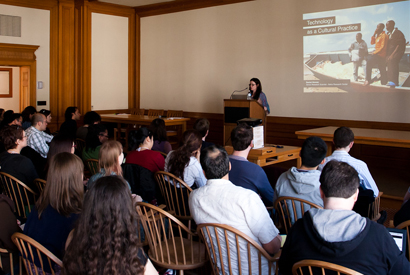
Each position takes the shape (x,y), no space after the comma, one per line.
(361,136)
(143,120)
(281,155)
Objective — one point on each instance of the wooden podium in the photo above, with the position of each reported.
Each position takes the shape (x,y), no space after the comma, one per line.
(236,109)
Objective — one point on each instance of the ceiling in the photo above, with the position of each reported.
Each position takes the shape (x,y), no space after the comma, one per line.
(135,3)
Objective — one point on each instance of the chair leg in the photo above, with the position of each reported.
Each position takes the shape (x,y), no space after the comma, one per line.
(181,272)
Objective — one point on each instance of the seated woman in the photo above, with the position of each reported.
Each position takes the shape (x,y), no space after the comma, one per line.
(159,132)
(141,142)
(47,114)
(11,161)
(105,239)
(58,145)
(110,159)
(90,118)
(184,162)
(96,136)
(28,113)
(59,205)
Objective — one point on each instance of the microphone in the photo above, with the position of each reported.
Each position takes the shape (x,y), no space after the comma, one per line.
(238,91)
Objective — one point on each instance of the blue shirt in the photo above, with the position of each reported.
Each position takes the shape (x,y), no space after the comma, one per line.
(250,176)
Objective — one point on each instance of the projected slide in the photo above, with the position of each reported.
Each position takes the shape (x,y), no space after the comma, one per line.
(363,49)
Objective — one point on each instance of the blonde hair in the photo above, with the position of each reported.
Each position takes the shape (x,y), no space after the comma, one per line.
(64,189)
(108,157)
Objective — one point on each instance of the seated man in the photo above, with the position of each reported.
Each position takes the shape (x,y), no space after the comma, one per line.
(202,126)
(69,126)
(338,235)
(343,139)
(303,183)
(220,201)
(244,173)
(37,139)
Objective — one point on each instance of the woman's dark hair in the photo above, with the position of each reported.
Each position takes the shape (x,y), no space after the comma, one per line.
(58,145)
(105,239)
(29,110)
(69,112)
(9,136)
(157,127)
(7,118)
(91,117)
(179,159)
(136,138)
(45,112)
(92,140)
(258,88)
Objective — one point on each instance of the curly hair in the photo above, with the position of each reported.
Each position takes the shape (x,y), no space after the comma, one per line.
(105,238)
(9,136)
(179,159)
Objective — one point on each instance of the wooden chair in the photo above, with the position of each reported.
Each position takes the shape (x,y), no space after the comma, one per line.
(79,146)
(406,225)
(162,153)
(168,248)
(5,251)
(290,209)
(374,208)
(93,165)
(139,112)
(21,194)
(40,184)
(173,130)
(310,265)
(175,113)
(155,112)
(31,251)
(225,261)
(176,198)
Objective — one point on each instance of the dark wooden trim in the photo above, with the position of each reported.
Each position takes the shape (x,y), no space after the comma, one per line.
(137,96)
(181,5)
(43,4)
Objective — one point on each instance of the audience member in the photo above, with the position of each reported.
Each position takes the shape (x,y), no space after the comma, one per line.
(96,136)
(7,118)
(202,126)
(16,119)
(59,205)
(47,114)
(8,227)
(110,159)
(141,142)
(11,161)
(338,235)
(36,137)
(69,126)
(90,118)
(244,173)
(159,132)
(184,162)
(343,140)
(58,145)
(1,114)
(28,113)
(105,239)
(220,201)
(303,183)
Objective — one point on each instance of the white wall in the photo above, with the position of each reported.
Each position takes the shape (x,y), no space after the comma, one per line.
(12,103)
(109,62)
(35,25)
(192,60)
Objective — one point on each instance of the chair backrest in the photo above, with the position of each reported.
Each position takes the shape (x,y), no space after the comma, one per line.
(171,243)
(79,146)
(93,165)
(32,252)
(374,208)
(406,225)
(4,251)
(40,183)
(21,194)
(310,267)
(176,194)
(175,113)
(136,111)
(154,112)
(233,252)
(290,209)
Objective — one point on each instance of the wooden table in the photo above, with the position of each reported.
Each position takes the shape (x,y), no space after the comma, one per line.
(143,120)
(361,136)
(280,155)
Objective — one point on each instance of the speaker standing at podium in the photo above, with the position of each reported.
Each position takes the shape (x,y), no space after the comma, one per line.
(255,88)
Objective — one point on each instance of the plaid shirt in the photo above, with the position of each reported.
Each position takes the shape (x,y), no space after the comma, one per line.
(37,140)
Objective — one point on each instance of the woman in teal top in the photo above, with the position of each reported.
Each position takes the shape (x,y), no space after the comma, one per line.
(96,136)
